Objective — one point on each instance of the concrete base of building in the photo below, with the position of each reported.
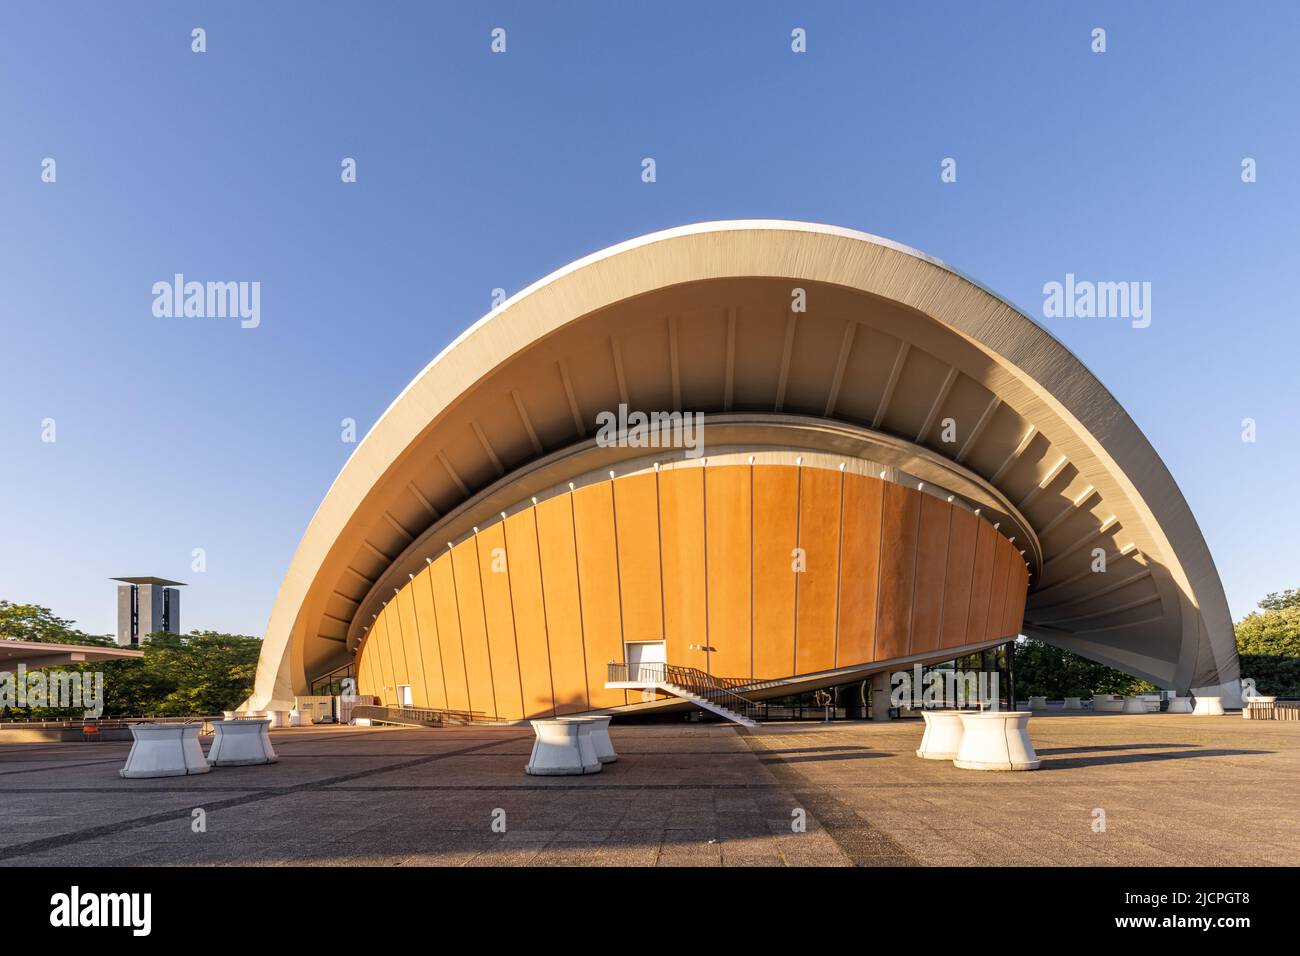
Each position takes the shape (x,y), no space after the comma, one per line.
(241,743)
(996,741)
(942,737)
(563,748)
(1208,707)
(164,750)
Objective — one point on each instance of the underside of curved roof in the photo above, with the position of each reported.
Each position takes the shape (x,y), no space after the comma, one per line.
(893,346)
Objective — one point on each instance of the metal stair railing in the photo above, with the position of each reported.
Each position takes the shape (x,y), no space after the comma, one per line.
(717,690)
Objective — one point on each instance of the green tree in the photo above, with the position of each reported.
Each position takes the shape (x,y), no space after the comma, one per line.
(1046,670)
(1268,644)
(1279,602)
(203,672)
(31,622)
(200,673)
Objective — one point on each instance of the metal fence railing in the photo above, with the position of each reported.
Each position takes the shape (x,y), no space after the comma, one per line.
(718,690)
(417,716)
(1273,709)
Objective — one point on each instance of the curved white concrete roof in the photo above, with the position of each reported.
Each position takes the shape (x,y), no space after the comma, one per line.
(893,342)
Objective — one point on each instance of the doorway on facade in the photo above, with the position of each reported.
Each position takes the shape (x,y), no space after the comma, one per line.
(403,695)
(646,660)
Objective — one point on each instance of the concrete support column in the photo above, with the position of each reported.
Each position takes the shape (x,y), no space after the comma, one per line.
(880,696)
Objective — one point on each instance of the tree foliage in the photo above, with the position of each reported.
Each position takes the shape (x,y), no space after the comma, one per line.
(200,673)
(31,622)
(1048,671)
(1268,644)
(1274,601)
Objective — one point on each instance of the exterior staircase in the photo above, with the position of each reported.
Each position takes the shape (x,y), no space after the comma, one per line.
(705,691)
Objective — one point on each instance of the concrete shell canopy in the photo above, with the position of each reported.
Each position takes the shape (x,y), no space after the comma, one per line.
(790,338)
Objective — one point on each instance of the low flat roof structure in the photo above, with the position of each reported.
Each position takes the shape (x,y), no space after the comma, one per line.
(784,455)
(49,654)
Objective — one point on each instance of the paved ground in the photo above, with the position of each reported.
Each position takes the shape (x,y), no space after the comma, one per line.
(1174,790)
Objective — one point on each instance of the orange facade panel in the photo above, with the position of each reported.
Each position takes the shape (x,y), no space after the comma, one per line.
(602,625)
(393,627)
(985,560)
(559,561)
(473,629)
(729,563)
(430,645)
(368,680)
(959,577)
(997,596)
(453,652)
(901,520)
(405,601)
(494,578)
(1018,591)
(818,582)
(859,570)
(931,571)
(529,611)
(636,514)
(385,653)
(776,511)
(681,537)
(770,570)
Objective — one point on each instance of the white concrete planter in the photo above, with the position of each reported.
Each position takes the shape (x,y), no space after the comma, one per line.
(299,719)
(996,741)
(230,714)
(1038,703)
(1106,704)
(1073,703)
(1208,707)
(164,750)
(241,743)
(591,762)
(599,737)
(563,747)
(1134,705)
(1179,705)
(943,734)
(279,718)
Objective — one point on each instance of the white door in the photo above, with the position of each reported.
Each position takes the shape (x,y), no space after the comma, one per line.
(645,660)
(403,695)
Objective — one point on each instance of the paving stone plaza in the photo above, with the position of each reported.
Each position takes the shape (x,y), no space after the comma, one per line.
(1113,790)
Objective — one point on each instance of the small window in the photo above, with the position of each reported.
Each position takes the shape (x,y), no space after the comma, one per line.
(404,695)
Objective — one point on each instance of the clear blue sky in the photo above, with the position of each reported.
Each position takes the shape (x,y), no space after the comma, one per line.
(478,170)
